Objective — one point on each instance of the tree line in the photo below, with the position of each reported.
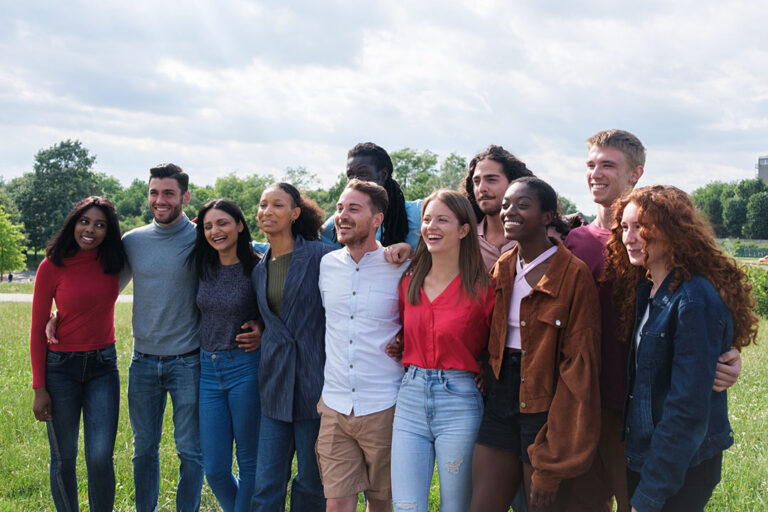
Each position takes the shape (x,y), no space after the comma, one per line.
(33,206)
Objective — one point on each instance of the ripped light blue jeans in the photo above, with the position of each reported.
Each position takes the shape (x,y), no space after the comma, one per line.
(437,416)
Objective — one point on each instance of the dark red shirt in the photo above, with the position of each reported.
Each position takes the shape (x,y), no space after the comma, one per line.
(588,243)
(449,332)
(85,300)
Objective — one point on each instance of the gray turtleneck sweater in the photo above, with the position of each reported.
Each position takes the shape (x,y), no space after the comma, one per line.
(166,320)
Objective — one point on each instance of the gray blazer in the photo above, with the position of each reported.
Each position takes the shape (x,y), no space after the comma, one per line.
(293,343)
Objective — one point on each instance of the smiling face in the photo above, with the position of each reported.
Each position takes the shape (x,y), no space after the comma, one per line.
(355,221)
(440,228)
(276,211)
(221,230)
(488,184)
(166,200)
(90,229)
(522,215)
(609,175)
(364,168)
(637,247)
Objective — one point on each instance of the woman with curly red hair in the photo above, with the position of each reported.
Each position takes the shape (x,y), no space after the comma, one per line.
(692,303)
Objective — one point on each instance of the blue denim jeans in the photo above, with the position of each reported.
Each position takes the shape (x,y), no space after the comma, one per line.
(230,411)
(86,381)
(278,440)
(150,380)
(437,416)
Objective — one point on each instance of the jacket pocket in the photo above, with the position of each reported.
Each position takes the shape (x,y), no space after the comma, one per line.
(555,316)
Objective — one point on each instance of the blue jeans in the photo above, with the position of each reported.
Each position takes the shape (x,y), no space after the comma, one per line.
(230,410)
(150,379)
(278,440)
(87,381)
(438,414)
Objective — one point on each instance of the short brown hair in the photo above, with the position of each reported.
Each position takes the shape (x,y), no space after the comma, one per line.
(622,140)
(375,192)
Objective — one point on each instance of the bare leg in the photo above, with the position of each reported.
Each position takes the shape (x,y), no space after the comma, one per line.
(379,505)
(345,504)
(496,475)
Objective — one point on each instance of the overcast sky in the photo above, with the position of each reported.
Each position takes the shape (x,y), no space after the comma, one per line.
(254,87)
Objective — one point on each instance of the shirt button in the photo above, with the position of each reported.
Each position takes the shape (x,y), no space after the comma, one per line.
(354,293)
(522,380)
(213,356)
(522,352)
(351,317)
(522,323)
(357,269)
(522,405)
(350,366)
(353,390)
(350,342)
(626,430)
(557,323)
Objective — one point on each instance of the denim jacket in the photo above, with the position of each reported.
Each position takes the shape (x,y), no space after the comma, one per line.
(293,343)
(673,418)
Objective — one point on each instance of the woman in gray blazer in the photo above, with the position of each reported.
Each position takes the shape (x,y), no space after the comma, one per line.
(292,349)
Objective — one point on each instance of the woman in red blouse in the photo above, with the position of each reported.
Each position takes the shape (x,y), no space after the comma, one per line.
(446,302)
(78,373)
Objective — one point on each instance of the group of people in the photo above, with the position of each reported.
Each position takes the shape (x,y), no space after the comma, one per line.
(472,330)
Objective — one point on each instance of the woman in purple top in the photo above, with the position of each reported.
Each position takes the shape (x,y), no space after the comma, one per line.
(229,378)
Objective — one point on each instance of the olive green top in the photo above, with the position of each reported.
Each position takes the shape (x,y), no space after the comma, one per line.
(277,268)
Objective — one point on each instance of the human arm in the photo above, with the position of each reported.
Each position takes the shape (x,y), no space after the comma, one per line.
(728,370)
(395,350)
(566,444)
(42,300)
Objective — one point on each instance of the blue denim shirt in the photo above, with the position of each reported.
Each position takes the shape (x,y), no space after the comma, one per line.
(673,418)
(293,342)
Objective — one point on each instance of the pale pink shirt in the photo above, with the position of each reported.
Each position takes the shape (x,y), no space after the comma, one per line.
(519,290)
(488,251)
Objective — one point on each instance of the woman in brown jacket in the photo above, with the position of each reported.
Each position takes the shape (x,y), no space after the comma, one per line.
(542,417)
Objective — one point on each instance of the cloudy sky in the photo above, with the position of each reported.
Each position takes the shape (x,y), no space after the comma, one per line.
(256,86)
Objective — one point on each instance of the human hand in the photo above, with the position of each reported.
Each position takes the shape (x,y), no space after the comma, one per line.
(250,337)
(480,383)
(395,350)
(541,498)
(398,254)
(50,328)
(728,370)
(41,405)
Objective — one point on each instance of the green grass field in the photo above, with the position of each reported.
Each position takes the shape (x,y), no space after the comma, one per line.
(24,445)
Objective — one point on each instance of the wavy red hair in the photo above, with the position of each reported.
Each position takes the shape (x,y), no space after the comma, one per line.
(668,218)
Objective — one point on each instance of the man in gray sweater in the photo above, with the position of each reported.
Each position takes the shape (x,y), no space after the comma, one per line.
(166,340)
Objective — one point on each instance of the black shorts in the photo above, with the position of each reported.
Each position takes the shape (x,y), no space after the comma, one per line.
(503,425)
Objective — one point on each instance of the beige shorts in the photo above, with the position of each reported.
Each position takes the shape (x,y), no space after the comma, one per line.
(353,453)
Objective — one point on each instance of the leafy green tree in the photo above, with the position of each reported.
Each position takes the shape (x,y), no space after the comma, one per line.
(245,192)
(62,176)
(7,202)
(415,172)
(748,188)
(327,199)
(757,216)
(300,178)
(708,200)
(734,215)
(132,205)
(567,206)
(11,244)
(452,171)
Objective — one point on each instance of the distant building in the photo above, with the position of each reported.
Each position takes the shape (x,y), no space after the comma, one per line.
(762,168)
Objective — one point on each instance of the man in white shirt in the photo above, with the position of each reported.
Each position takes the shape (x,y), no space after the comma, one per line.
(359,291)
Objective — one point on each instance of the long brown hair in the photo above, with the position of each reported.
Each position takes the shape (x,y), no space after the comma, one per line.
(668,218)
(471,266)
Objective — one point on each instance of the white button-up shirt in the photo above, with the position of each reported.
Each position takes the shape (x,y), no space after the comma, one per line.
(361,318)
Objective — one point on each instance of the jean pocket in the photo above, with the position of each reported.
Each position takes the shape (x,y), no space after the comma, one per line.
(108,355)
(190,361)
(465,387)
(54,358)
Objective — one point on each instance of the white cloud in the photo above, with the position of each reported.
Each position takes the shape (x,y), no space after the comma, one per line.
(258,86)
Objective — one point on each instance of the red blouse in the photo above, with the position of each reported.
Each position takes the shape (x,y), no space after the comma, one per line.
(85,299)
(449,332)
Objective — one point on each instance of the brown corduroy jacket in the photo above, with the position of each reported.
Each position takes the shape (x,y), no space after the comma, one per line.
(560,338)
